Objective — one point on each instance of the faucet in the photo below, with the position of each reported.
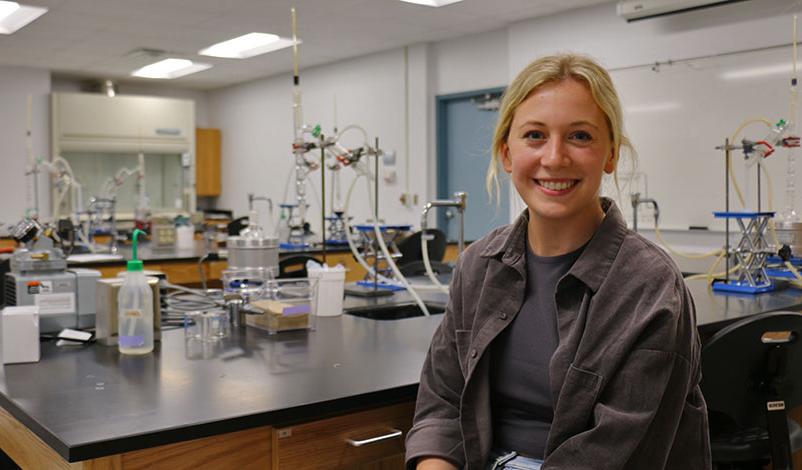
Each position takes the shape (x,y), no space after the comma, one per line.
(107,203)
(459,203)
(252,197)
(637,201)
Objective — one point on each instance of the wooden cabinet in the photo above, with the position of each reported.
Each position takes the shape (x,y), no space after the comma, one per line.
(319,445)
(367,440)
(207,162)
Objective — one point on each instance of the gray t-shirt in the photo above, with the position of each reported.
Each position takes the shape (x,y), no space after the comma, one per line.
(521,399)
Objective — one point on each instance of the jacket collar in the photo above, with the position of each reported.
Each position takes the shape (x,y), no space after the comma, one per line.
(593,264)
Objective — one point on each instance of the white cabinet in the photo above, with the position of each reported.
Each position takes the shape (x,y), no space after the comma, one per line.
(100,135)
(84,122)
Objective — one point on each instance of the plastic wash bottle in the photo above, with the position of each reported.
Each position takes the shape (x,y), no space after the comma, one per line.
(135,308)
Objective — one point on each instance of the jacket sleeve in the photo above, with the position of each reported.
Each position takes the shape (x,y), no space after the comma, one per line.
(436,427)
(650,413)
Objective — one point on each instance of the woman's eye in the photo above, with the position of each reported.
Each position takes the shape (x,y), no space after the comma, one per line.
(534,135)
(581,136)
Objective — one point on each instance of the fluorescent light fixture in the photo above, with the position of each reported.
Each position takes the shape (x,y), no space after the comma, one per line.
(652,107)
(170,68)
(432,3)
(762,71)
(14,16)
(248,45)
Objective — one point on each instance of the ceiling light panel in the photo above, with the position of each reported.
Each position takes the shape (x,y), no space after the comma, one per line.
(14,16)
(248,45)
(170,68)
(432,3)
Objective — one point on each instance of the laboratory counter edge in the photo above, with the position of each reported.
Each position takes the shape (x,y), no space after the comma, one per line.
(89,402)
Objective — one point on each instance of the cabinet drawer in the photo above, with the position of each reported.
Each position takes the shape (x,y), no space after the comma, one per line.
(343,442)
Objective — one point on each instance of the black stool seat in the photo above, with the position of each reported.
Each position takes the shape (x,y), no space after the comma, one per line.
(751,444)
(750,380)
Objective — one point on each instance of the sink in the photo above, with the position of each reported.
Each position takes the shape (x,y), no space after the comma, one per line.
(395,311)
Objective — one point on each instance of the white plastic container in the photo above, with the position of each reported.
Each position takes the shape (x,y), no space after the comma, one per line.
(330,291)
(185,236)
(135,309)
(20,334)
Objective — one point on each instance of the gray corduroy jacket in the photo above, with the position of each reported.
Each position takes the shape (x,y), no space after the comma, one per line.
(625,375)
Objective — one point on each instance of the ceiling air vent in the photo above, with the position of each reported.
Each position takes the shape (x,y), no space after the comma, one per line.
(633,10)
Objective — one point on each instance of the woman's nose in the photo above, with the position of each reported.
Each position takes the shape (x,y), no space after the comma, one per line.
(554,154)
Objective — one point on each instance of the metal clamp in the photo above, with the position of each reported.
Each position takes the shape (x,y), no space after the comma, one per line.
(359,443)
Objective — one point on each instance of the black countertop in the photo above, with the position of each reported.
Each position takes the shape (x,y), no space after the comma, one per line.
(90,401)
(715,310)
(147,252)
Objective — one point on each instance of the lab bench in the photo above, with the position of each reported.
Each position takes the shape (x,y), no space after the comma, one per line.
(251,400)
(181,265)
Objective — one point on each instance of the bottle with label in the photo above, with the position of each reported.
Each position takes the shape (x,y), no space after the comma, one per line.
(135,308)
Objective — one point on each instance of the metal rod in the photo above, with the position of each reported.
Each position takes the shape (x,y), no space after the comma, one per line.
(758,184)
(376,216)
(727,209)
(323,195)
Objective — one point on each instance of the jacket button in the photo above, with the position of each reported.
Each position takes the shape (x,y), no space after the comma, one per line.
(503,316)
(474,353)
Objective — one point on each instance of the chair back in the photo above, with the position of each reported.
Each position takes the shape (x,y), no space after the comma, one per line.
(235,226)
(294,267)
(750,362)
(410,248)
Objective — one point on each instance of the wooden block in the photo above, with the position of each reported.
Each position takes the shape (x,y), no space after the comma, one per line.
(25,447)
(248,449)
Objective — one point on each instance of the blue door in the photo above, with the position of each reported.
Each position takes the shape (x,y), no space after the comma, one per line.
(465,124)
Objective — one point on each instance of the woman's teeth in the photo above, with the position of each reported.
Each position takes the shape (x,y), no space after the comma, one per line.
(556,185)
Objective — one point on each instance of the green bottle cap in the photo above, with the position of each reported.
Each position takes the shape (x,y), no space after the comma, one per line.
(135,264)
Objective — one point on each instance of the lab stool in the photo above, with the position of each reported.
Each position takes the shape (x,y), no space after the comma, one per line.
(750,380)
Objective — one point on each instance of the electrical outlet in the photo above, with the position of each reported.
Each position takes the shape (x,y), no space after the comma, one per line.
(389,158)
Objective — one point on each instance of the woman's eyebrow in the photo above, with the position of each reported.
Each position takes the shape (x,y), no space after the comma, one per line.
(573,124)
(583,123)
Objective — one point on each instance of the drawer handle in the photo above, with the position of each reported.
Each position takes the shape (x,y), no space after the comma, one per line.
(392,434)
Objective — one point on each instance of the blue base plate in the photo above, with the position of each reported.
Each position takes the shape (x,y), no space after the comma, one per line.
(780,273)
(293,246)
(742,287)
(795,260)
(741,215)
(380,285)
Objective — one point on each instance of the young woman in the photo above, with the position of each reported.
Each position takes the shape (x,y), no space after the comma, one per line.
(569,342)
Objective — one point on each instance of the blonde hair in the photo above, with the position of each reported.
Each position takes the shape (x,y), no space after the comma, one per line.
(551,69)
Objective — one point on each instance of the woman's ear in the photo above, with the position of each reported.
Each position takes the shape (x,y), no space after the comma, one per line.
(504,153)
(609,166)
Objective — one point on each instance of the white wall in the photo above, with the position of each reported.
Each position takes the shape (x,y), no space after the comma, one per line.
(16,83)
(597,31)
(471,62)
(256,123)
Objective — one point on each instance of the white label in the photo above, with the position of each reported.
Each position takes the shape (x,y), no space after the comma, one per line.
(775,405)
(55,303)
(45,287)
